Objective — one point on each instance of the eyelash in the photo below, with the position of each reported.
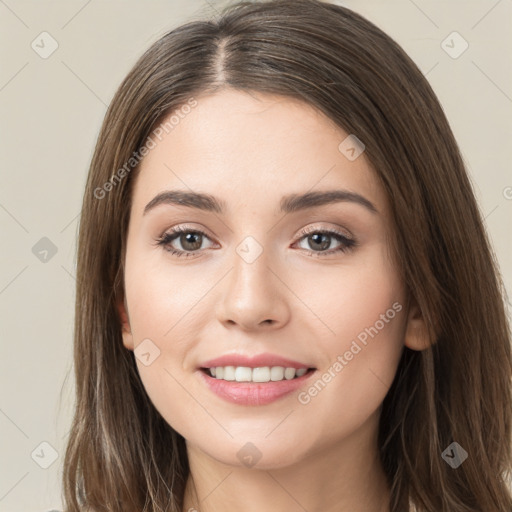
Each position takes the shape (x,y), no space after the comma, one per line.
(347,244)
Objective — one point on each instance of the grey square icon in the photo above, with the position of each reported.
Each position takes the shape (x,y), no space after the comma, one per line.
(44,45)
(351,147)
(44,455)
(249,455)
(44,250)
(249,249)
(454,455)
(454,45)
(146,352)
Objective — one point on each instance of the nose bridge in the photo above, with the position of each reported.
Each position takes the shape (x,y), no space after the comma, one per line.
(253,295)
(251,277)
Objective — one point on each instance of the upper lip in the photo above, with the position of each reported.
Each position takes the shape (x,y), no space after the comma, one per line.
(256,361)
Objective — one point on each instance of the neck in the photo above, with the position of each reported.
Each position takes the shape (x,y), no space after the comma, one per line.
(338,476)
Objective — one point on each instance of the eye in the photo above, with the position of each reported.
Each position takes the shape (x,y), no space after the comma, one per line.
(320,240)
(189,239)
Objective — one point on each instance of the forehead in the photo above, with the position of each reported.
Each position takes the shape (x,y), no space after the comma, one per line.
(252,148)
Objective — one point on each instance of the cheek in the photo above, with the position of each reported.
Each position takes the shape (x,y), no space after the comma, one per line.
(350,298)
(160,307)
(162,297)
(364,309)
(166,304)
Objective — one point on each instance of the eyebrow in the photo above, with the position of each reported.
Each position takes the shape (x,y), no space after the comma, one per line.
(288,204)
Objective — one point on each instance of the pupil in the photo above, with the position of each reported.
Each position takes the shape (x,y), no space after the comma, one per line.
(317,238)
(189,239)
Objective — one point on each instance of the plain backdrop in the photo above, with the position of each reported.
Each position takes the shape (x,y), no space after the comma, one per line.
(51,109)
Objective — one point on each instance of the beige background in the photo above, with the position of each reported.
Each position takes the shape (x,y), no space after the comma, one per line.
(51,110)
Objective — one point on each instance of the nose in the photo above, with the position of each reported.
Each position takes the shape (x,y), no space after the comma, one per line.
(254,296)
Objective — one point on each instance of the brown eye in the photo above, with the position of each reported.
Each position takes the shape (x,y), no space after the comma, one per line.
(319,241)
(189,241)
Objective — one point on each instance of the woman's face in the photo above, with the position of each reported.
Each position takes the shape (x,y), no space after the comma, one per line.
(264,274)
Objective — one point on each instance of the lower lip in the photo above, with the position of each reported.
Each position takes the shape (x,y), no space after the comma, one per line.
(254,393)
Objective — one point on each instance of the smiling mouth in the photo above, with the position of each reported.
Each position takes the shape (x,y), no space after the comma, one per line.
(256,375)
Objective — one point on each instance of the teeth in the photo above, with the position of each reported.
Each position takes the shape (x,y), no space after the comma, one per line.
(243,374)
(276,373)
(229,373)
(263,374)
(289,373)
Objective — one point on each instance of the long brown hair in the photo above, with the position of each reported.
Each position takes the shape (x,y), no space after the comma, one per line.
(122,455)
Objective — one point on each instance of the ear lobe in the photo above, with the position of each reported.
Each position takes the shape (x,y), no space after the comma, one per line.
(125,325)
(416,333)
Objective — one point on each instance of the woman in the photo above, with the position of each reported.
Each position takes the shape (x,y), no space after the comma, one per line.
(286,298)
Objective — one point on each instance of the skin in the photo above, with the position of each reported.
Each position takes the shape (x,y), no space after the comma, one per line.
(249,150)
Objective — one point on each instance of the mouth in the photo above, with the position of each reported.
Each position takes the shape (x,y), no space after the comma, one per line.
(258,386)
(259,375)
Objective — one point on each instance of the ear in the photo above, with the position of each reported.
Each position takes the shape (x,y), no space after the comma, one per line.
(416,333)
(125,324)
